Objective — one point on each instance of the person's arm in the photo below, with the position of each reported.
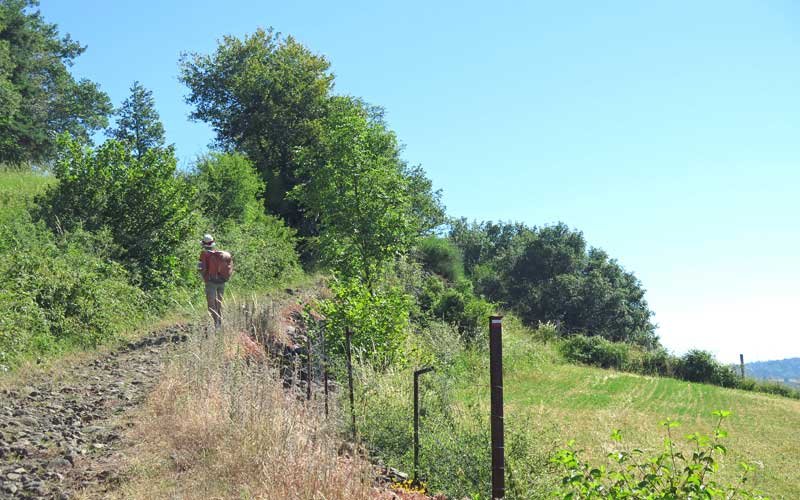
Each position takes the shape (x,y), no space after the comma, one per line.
(201,266)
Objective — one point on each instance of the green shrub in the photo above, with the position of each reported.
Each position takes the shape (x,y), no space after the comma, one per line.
(440,256)
(547,331)
(140,200)
(377,320)
(657,362)
(770,387)
(697,366)
(460,307)
(670,474)
(595,351)
(61,293)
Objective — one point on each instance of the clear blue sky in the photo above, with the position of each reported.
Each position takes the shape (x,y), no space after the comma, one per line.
(666,131)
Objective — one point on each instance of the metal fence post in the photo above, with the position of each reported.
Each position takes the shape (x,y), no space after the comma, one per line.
(496,383)
(417,373)
(347,335)
(308,366)
(324,368)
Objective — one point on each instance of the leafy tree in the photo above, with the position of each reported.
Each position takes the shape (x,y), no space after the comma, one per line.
(140,201)
(357,192)
(228,188)
(265,95)
(548,275)
(138,122)
(38,97)
(487,243)
(426,203)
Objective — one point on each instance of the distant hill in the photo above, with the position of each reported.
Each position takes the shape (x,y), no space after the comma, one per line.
(782,370)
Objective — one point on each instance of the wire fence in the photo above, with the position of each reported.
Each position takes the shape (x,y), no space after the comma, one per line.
(411,419)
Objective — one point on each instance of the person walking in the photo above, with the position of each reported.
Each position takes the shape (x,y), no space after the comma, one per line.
(216,268)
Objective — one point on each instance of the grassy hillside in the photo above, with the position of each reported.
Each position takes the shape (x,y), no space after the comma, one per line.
(72,287)
(548,402)
(588,403)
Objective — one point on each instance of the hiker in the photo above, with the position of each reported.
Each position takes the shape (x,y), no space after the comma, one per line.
(216,267)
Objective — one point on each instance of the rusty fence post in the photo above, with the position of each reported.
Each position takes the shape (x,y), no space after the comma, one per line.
(417,373)
(496,383)
(347,335)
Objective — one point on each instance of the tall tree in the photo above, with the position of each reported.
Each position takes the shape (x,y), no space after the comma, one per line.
(357,192)
(265,95)
(138,122)
(39,98)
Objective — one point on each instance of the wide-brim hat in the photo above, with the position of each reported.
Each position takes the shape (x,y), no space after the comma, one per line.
(207,241)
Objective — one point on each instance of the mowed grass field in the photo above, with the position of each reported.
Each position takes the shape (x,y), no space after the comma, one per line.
(556,402)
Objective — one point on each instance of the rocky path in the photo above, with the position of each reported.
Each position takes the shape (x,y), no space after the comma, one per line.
(59,438)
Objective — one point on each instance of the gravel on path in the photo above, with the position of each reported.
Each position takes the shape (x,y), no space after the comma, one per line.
(59,438)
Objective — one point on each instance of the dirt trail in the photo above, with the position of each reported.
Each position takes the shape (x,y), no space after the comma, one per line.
(58,438)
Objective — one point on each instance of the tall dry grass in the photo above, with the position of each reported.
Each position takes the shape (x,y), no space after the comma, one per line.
(220,425)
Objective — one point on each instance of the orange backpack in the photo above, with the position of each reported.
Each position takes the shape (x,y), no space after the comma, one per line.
(220,266)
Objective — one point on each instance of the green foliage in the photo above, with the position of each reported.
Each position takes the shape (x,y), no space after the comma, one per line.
(61,292)
(357,192)
(670,474)
(263,249)
(700,366)
(426,203)
(697,366)
(146,208)
(378,320)
(595,351)
(548,275)
(228,188)
(694,366)
(138,123)
(442,257)
(264,95)
(438,300)
(458,306)
(38,97)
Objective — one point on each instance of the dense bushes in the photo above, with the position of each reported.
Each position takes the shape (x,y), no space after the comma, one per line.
(377,320)
(118,242)
(550,274)
(61,291)
(139,200)
(228,188)
(595,351)
(440,256)
(264,251)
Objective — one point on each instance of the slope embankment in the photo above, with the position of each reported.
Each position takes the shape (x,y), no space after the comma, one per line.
(184,412)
